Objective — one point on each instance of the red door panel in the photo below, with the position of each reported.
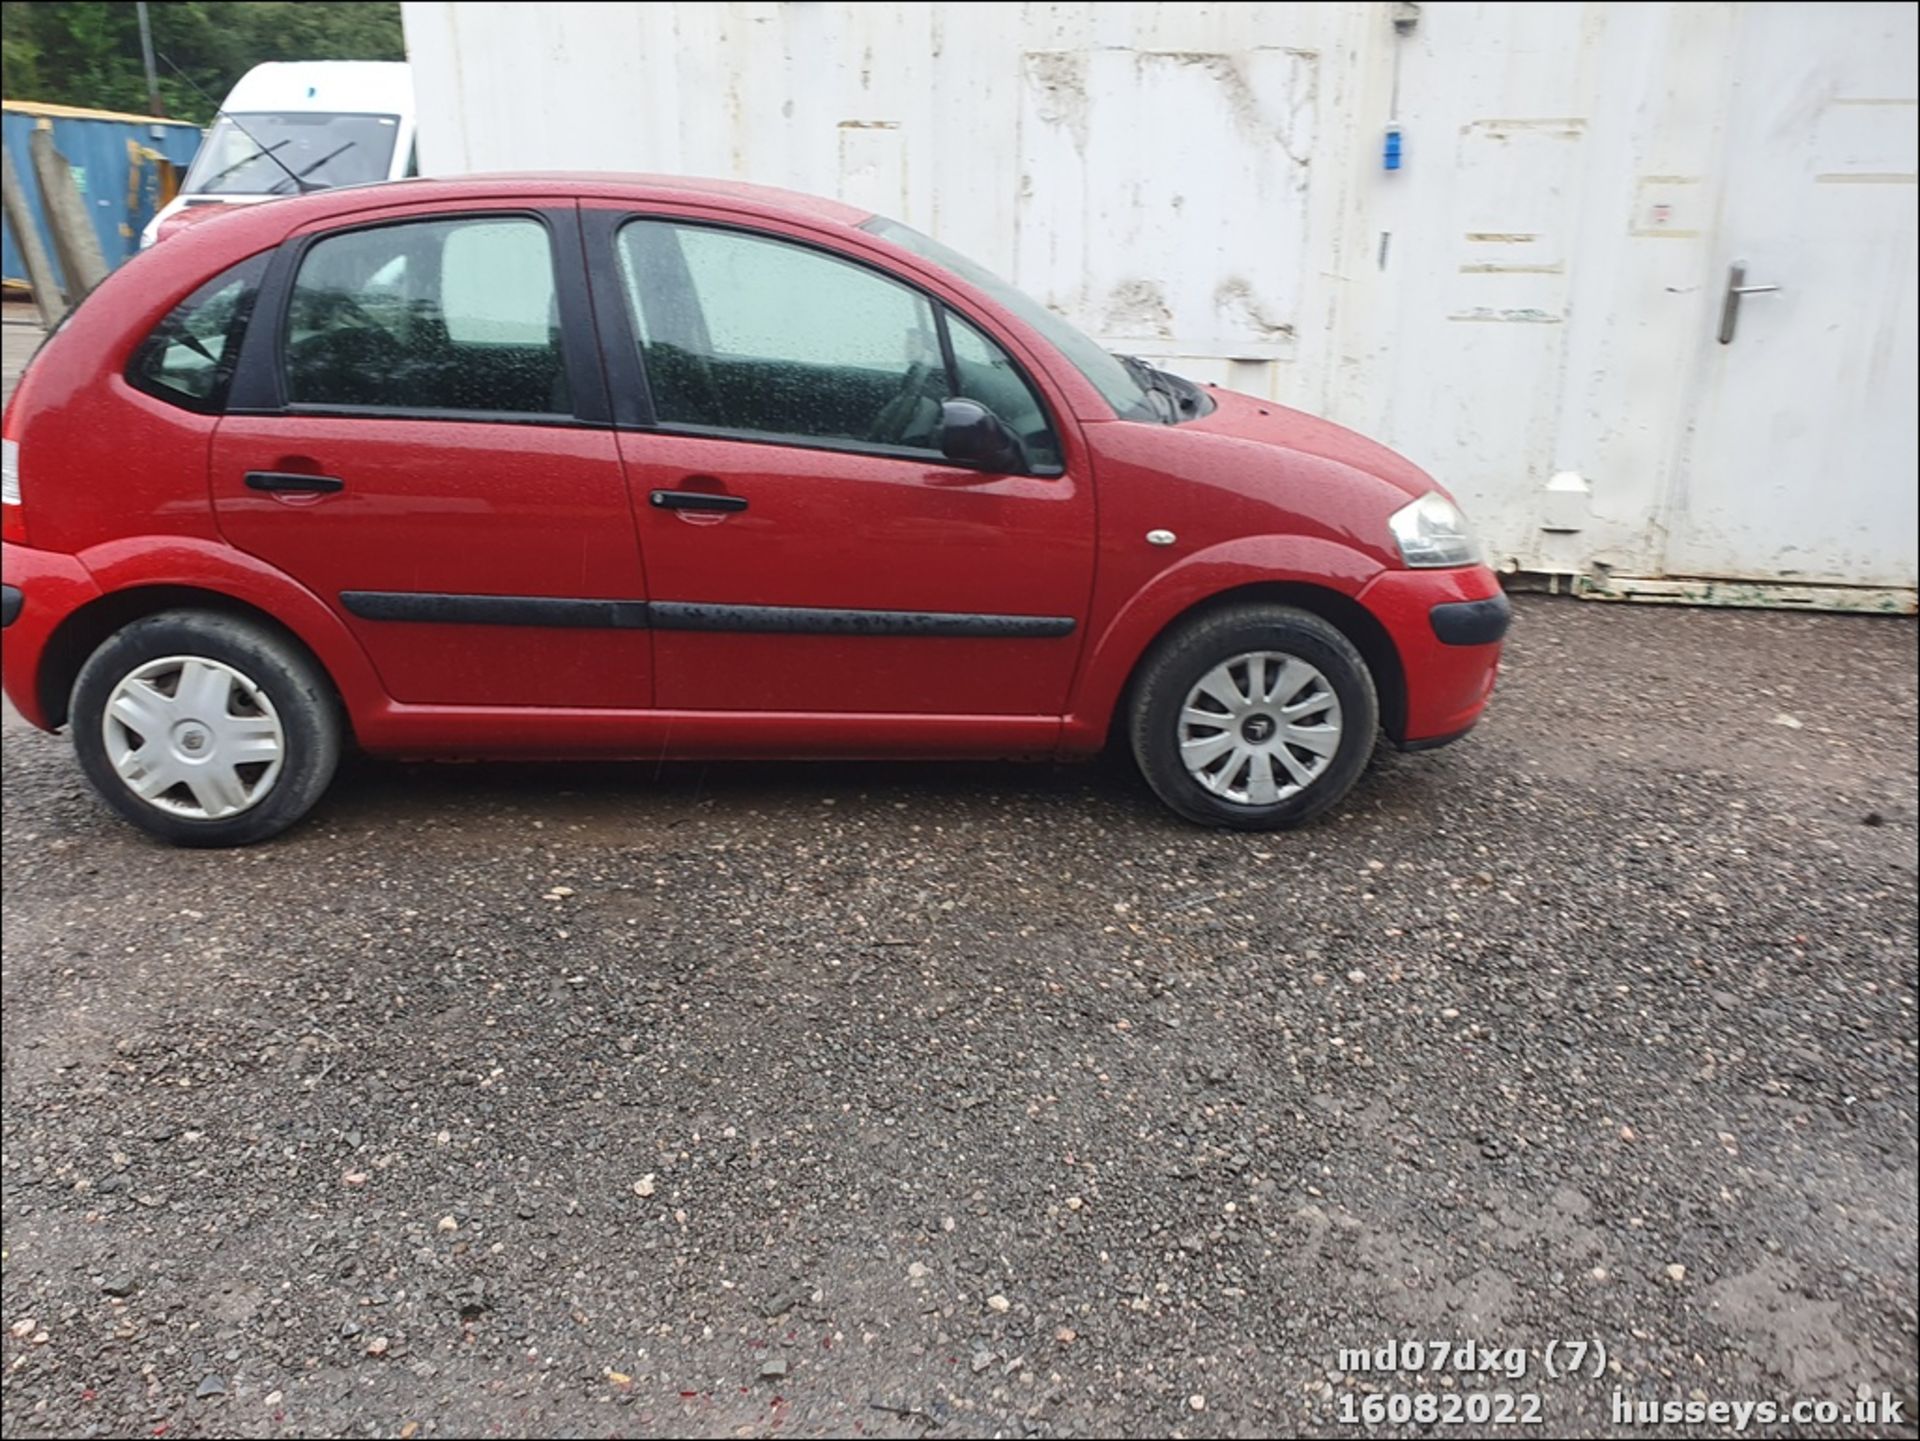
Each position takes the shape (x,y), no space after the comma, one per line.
(829,530)
(435,508)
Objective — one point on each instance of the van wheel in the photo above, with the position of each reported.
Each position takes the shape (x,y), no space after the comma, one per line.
(1257,717)
(205,729)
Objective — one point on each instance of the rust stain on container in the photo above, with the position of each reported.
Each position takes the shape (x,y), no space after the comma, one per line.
(1059,82)
(1139,307)
(1236,302)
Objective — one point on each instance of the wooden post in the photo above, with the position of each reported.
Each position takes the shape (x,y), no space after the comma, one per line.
(74,238)
(46,290)
(146,58)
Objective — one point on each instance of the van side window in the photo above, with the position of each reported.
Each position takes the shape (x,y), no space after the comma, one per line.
(189,357)
(434,315)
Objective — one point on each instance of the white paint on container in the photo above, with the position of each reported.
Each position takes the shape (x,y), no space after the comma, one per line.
(1537,292)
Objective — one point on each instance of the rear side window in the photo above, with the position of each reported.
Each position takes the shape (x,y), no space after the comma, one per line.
(439,315)
(188,359)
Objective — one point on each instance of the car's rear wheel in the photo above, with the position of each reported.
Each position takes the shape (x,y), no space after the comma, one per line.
(1257,717)
(205,729)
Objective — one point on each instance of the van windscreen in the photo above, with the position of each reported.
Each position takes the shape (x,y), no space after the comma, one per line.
(316,149)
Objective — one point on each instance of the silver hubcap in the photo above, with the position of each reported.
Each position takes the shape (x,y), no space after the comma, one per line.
(1259,727)
(194,737)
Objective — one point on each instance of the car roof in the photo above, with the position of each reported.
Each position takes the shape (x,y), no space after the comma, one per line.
(614,185)
(291,212)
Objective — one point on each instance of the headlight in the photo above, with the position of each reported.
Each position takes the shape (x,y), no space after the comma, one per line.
(1432,532)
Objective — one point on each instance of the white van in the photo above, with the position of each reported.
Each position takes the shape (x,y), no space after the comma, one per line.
(293,126)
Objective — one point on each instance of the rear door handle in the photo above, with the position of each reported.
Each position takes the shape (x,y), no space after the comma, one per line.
(286,481)
(696,500)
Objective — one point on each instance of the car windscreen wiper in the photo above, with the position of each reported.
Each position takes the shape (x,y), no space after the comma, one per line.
(1154,383)
(1185,395)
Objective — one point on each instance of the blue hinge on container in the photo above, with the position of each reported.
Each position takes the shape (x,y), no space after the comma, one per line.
(1390,155)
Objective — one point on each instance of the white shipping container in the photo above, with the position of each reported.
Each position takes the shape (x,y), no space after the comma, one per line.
(1531,305)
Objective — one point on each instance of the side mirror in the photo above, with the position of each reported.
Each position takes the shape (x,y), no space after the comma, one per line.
(974,435)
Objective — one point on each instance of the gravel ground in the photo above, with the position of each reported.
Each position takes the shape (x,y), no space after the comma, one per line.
(976,1100)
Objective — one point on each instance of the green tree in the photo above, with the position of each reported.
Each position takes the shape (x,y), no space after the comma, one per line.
(87,52)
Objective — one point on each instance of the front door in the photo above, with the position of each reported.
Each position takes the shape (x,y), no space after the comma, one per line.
(1801,460)
(808,548)
(433,460)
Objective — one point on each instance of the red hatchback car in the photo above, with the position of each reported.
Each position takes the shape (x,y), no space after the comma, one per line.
(603,466)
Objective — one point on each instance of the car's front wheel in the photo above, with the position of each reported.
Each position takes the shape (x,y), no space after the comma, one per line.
(1257,717)
(205,729)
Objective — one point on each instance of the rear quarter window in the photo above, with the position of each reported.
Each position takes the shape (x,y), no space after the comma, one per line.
(188,359)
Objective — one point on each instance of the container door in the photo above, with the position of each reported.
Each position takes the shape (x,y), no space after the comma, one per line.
(1800,466)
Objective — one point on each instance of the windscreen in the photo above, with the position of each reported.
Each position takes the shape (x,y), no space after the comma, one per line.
(313,149)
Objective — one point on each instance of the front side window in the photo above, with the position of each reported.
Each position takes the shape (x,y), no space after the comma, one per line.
(437,315)
(986,373)
(751,334)
(190,356)
(1117,383)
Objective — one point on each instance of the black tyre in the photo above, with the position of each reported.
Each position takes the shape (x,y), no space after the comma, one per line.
(205,729)
(1258,717)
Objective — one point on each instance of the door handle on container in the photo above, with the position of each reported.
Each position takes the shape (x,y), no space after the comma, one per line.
(1736,287)
(289,481)
(696,500)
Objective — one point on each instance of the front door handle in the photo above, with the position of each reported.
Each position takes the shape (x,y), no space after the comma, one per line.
(696,500)
(288,482)
(1737,287)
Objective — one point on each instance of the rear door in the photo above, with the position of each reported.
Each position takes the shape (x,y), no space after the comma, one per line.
(808,547)
(419,434)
